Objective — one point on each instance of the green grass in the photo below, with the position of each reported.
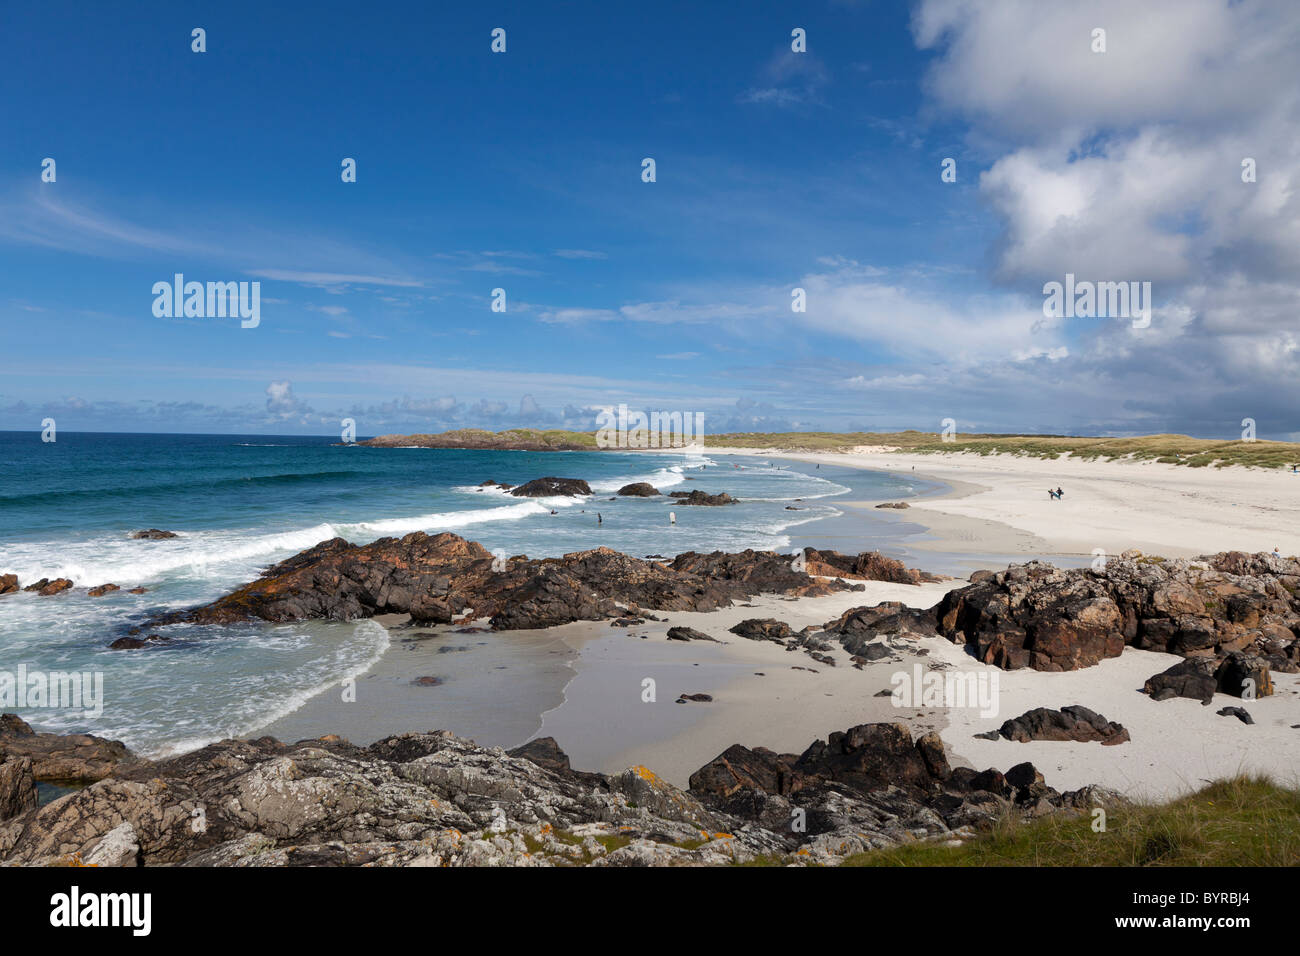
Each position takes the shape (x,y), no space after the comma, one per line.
(1244,821)
(1167,449)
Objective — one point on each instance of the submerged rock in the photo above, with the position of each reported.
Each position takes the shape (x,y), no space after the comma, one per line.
(45,587)
(153,534)
(698,497)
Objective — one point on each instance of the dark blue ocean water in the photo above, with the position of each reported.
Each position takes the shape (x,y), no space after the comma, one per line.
(240,503)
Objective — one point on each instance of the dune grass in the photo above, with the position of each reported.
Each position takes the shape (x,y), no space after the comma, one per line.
(1169,449)
(1242,821)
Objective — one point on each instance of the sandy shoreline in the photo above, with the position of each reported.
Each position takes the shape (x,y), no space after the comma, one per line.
(999,503)
(583,683)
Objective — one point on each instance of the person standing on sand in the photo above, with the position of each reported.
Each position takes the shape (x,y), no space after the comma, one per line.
(1051,494)
(1059,493)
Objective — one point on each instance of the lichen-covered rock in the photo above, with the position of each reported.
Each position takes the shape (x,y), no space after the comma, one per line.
(433,799)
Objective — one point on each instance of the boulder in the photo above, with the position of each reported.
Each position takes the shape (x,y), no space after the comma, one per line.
(153,534)
(1069,723)
(551,487)
(688,634)
(638,489)
(8,583)
(102,589)
(698,497)
(764,629)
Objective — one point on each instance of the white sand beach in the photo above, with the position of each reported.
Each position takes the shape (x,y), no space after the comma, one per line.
(591,676)
(996,504)
(999,503)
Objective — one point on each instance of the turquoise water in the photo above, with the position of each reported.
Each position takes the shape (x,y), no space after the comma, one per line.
(240,503)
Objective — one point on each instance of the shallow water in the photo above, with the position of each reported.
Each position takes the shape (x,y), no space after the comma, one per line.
(239,504)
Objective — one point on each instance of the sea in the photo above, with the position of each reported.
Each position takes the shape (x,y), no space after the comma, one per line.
(241,503)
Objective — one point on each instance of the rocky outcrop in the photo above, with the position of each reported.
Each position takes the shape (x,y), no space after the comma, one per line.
(432,799)
(874,786)
(1069,723)
(551,487)
(437,578)
(60,758)
(1038,616)
(868,566)
(1200,678)
(102,589)
(495,484)
(8,583)
(17,785)
(698,497)
(153,534)
(638,489)
(894,504)
(45,587)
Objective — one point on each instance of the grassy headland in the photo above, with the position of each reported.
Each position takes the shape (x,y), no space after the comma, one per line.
(1244,821)
(1168,449)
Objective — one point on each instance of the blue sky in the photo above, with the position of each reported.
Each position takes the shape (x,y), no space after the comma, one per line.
(522,171)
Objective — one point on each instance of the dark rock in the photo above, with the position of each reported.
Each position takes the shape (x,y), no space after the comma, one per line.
(545,752)
(8,583)
(638,489)
(61,758)
(153,534)
(1193,677)
(698,497)
(429,681)
(764,629)
(102,590)
(688,634)
(894,504)
(1241,713)
(45,587)
(1069,723)
(552,487)
(698,698)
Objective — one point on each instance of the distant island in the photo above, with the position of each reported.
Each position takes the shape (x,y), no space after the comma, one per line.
(1166,449)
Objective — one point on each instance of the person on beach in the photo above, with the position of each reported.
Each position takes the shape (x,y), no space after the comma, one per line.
(599,519)
(672,517)
(1059,493)
(1051,494)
